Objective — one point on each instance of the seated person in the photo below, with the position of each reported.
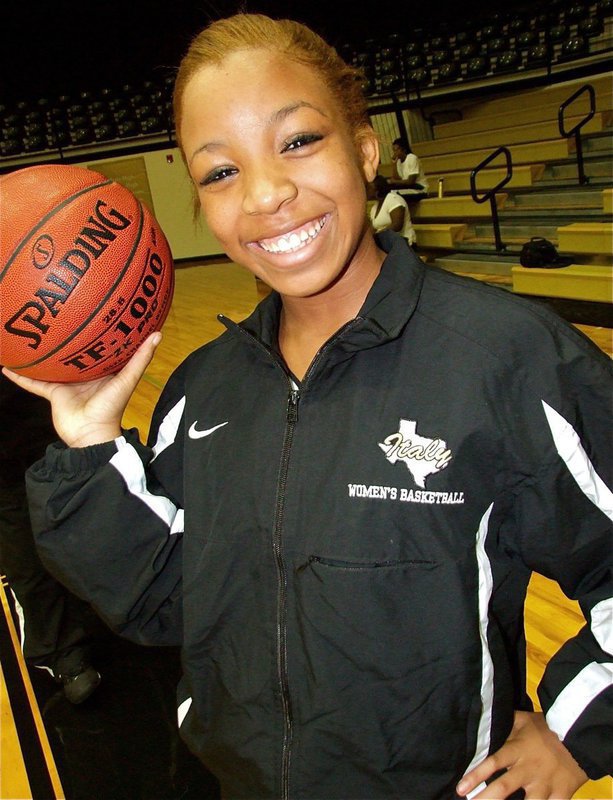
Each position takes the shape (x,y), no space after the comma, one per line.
(408,176)
(389,211)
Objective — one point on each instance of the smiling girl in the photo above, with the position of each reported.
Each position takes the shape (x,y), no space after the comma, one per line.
(345,633)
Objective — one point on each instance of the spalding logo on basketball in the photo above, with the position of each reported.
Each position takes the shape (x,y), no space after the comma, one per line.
(86,273)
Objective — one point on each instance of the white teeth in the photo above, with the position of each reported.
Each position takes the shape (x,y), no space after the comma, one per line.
(295,241)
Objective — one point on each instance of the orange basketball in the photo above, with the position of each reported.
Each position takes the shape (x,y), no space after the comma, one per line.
(86,273)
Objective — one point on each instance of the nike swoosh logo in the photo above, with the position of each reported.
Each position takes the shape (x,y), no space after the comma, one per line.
(196,434)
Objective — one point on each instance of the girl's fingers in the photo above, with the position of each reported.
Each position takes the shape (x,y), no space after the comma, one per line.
(40,388)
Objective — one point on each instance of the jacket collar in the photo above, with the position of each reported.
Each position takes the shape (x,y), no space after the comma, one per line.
(394,295)
(388,307)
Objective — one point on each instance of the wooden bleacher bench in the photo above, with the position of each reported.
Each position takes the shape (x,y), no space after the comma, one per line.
(442,236)
(586,237)
(518,134)
(575,282)
(578,199)
(454,207)
(516,115)
(523,177)
(530,153)
(549,95)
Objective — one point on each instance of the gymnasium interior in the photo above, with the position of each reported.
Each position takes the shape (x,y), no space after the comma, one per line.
(509,108)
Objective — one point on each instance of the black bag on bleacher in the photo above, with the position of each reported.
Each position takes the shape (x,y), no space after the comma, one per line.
(539,252)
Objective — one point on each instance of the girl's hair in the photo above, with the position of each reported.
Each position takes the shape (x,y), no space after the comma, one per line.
(402,142)
(287,37)
(381,185)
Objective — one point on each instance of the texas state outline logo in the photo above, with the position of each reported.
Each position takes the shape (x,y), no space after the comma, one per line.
(422,456)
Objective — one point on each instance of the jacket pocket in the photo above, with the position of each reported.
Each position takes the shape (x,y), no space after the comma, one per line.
(359,565)
(392,657)
(413,610)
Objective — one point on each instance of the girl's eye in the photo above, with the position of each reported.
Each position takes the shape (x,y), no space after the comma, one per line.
(216,175)
(300,140)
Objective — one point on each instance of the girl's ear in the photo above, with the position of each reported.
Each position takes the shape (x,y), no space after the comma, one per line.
(368,152)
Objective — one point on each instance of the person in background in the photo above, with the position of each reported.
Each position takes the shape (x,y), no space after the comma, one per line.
(389,210)
(408,175)
(58,628)
(343,497)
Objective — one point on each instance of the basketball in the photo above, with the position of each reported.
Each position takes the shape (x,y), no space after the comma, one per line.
(86,273)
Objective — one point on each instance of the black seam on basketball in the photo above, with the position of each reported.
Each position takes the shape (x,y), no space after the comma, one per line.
(128,352)
(100,304)
(45,219)
(102,333)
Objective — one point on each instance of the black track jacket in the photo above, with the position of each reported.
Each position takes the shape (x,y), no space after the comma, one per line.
(344,559)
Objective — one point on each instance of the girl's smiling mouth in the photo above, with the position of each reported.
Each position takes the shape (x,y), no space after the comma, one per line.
(294,240)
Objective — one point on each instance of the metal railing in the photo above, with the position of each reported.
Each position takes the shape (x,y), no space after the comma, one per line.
(490,194)
(576,131)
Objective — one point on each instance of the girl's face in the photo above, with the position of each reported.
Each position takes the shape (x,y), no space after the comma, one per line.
(279,177)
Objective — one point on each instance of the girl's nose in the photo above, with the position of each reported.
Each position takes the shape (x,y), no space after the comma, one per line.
(267,190)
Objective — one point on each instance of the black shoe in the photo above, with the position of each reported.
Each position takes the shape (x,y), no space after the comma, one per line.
(80,684)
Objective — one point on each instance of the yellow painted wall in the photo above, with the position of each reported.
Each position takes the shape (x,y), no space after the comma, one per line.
(159,178)
(172,193)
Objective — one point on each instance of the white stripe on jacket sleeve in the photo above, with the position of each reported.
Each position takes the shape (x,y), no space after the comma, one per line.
(595,677)
(127,462)
(183,709)
(570,450)
(602,624)
(167,432)
(577,695)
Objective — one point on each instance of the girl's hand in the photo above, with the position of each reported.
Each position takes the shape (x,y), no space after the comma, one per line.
(534,759)
(90,412)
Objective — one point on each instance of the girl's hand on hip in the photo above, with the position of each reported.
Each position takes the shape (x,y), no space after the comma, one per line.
(534,759)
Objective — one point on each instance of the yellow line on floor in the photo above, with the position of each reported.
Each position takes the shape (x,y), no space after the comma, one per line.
(11,771)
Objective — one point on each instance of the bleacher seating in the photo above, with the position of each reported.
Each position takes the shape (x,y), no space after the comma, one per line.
(586,237)
(513,45)
(406,67)
(591,282)
(453,208)
(46,127)
(518,134)
(497,81)
(543,196)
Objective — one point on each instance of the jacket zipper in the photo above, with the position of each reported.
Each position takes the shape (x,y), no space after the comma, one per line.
(277,538)
(292,418)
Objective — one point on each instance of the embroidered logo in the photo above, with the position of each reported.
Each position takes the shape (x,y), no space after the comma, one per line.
(422,456)
(193,433)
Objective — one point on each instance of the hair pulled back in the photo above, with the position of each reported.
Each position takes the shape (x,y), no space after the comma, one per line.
(286,37)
